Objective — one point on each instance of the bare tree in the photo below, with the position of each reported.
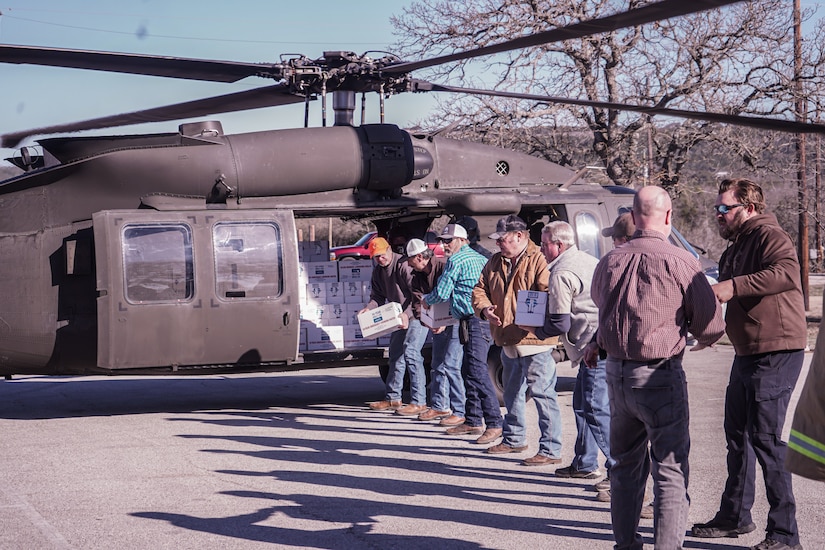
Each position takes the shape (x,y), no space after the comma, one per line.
(733,60)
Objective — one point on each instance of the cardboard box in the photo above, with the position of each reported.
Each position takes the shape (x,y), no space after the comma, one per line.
(313,313)
(335,315)
(325,338)
(381,320)
(354,338)
(438,315)
(334,293)
(322,272)
(352,313)
(355,270)
(318,251)
(354,292)
(531,307)
(315,293)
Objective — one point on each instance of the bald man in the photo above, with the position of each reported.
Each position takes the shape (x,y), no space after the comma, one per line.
(649,294)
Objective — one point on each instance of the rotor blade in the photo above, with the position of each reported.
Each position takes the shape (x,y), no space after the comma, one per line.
(765,123)
(638,16)
(269,96)
(173,67)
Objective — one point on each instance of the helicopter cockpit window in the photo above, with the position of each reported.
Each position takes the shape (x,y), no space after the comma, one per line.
(248,260)
(157,263)
(587,233)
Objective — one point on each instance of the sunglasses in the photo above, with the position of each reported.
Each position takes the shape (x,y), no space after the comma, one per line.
(446,241)
(725,208)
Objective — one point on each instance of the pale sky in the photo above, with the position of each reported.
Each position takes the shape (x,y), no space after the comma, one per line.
(245,30)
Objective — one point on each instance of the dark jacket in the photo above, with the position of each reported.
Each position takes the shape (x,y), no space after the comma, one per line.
(767,312)
(392,284)
(423,282)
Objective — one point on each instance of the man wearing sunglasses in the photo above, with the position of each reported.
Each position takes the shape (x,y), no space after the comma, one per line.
(482,415)
(759,279)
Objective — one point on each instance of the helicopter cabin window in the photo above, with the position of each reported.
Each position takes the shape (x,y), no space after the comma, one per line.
(588,232)
(157,263)
(248,260)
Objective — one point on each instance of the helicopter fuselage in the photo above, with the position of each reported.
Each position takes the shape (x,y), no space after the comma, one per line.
(178,252)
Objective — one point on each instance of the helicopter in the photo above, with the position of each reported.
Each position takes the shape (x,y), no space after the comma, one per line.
(176,253)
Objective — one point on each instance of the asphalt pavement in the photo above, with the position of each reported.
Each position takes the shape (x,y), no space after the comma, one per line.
(296,460)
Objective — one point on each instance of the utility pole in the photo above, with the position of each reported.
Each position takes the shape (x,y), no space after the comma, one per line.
(802,192)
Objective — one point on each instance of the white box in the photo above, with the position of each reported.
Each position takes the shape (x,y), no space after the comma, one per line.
(316,293)
(302,339)
(334,293)
(335,315)
(531,307)
(325,338)
(303,273)
(318,251)
(303,251)
(355,270)
(354,292)
(353,338)
(438,315)
(322,272)
(352,313)
(381,320)
(313,313)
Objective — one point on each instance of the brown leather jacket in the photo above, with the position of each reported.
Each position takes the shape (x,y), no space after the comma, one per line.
(492,289)
(767,312)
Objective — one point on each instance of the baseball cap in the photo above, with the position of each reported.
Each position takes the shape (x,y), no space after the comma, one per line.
(378,245)
(507,224)
(471,226)
(622,227)
(453,231)
(415,247)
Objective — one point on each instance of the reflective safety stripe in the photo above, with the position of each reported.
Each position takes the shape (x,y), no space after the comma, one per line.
(807,446)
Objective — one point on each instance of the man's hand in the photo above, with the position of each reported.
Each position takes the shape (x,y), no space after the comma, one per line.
(490,315)
(405,321)
(723,291)
(699,347)
(591,355)
(438,330)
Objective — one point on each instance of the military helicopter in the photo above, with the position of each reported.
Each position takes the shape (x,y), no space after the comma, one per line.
(176,252)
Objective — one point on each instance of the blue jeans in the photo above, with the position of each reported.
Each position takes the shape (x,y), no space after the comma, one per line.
(482,403)
(537,372)
(756,403)
(649,403)
(592,409)
(446,385)
(405,356)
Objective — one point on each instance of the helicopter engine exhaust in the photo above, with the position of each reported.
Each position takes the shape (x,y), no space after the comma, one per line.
(374,157)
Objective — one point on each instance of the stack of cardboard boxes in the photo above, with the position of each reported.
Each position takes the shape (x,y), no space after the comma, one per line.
(332,294)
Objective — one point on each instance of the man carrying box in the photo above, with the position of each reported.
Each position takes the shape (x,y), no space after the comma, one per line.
(446,386)
(572,315)
(528,361)
(391,278)
(455,285)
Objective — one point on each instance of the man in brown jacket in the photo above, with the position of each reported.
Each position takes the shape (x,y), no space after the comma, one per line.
(759,279)
(528,361)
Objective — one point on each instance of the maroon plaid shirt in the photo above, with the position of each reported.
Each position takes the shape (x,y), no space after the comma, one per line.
(650,294)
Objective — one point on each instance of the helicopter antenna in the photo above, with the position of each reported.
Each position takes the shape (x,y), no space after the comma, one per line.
(363,107)
(324,103)
(381,101)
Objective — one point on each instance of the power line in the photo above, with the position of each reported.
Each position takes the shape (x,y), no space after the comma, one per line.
(143,33)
